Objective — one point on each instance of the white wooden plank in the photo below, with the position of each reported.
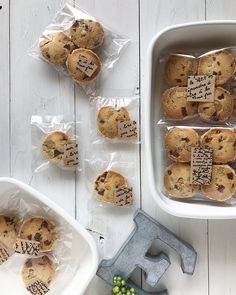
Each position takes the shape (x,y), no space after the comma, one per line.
(155,15)
(4,86)
(36,88)
(115,224)
(222,241)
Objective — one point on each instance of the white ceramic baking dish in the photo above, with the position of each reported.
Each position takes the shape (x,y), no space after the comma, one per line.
(190,36)
(83,250)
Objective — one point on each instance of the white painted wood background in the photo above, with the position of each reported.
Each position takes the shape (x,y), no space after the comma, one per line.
(30,87)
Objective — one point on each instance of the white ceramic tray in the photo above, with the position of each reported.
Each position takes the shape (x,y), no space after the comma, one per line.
(83,250)
(208,35)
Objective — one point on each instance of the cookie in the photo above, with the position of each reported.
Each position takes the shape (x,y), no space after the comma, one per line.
(56,47)
(86,33)
(42,269)
(106,183)
(108,118)
(8,231)
(175,104)
(41,230)
(179,68)
(54,145)
(223,184)
(221,64)
(178,143)
(220,110)
(223,143)
(177,181)
(83,65)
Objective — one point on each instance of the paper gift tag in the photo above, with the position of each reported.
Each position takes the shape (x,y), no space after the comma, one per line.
(127,129)
(86,66)
(4,253)
(201,165)
(123,196)
(38,287)
(71,155)
(27,247)
(201,88)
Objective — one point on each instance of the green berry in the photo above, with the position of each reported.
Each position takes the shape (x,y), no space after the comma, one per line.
(116,290)
(123,283)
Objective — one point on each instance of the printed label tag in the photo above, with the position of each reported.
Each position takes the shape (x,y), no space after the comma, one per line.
(201,88)
(127,129)
(4,254)
(123,196)
(71,155)
(86,66)
(27,247)
(201,165)
(38,288)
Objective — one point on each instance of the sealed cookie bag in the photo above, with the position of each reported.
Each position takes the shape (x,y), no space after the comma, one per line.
(54,142)
(199,88)
(110,181)
(80,46)
(199,163)
(114,120)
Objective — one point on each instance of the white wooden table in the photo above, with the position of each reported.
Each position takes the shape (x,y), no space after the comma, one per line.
(29,87)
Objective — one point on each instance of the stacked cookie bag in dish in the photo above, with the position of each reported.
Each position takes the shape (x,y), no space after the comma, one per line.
(201,150)
(77,44)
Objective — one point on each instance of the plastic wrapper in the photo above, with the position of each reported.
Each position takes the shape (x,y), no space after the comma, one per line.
(76,44)
(64,268)
(114,120)
(177,163)
(54,142)
(110,180)
(198,87)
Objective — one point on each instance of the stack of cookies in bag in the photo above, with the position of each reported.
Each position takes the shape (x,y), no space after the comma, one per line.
(202,148)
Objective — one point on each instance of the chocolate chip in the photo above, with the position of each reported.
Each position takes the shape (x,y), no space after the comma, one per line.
(220,188)
(37,237)
(221,147)
(174,153)
(102,121)
(75,24)
(205,108)
(176,186)
(178,80)
(57,153)
(28,263)
(29,237)
(44,224)
(221,139)
(8,219)
(219,73)
(214,73)
(101,192)
(47,242)
(181,75)
(185,139)
(214,58)
(218,63)
(230,175)
(48,55)
(208,139)
(67,46)
(184,111)
(214,116)
(169,172)
(218,131)
(221,96)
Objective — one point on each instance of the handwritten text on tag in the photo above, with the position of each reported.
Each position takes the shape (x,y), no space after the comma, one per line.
(86,66)
(71,157)
(4,254)
(27,247)
(201,88)
(38,288)
(201,165)
(127,129)
(124,196)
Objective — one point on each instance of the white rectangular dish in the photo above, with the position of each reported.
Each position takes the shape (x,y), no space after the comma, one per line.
(208,35)
(83,249)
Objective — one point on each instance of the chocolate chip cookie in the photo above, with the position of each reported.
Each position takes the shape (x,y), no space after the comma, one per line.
(42,269)
(8,231)
(86,33)
(179,68)
(177,181)
(56,47)
(175,104)
(53,146)
(41,230)
(178,143)
(223,143)
(220,109)
(221,64)
(108,118)
(106,183)
(223,184)
(83,65)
